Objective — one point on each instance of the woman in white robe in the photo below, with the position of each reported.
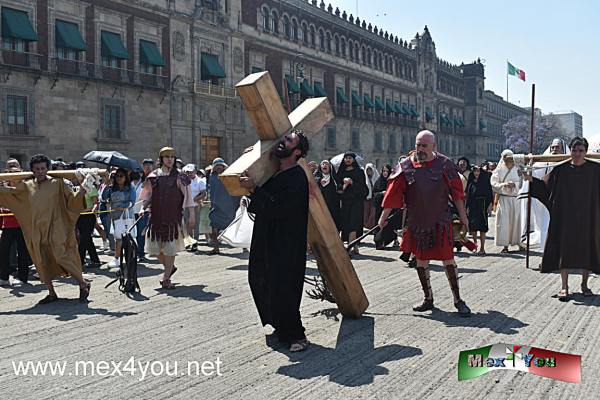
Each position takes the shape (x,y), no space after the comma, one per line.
(506,182)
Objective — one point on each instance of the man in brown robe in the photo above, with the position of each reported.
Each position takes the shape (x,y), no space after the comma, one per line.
(571,192)
(47,211)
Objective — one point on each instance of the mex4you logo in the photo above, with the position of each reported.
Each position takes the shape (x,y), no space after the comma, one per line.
(502,356)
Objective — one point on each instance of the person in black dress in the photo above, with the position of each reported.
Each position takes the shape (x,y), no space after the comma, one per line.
(479,200)
(325,177)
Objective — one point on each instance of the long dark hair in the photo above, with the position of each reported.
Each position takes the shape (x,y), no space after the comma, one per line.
(126,186)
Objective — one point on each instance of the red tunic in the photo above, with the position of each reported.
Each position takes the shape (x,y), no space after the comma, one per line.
(394,198)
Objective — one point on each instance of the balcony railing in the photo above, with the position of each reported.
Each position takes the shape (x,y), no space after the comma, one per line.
(444,128)
(95,71)
(212,89)
(20,59)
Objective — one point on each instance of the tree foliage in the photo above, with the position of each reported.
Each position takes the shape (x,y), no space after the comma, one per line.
(517,133)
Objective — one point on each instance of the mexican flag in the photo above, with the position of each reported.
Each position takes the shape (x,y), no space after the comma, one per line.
(519,73)
(550,364)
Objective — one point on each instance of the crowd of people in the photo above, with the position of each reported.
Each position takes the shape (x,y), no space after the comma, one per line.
(50,222)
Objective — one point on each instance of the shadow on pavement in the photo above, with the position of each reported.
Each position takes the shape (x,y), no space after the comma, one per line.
(495,321)
(353,362)
(66,310)
(193,292)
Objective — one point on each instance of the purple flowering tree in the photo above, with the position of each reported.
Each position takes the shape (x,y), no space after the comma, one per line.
(517,130)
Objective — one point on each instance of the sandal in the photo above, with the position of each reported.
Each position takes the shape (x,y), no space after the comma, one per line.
(587,292)
(299,345)
(563,295)
(355,250)
(482,252)
(167,284)
(84,292)
(51,298)
(504,251)
(214,252)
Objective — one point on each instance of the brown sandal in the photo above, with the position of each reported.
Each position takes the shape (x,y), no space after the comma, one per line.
(167,284)
(84,292)
(51,298)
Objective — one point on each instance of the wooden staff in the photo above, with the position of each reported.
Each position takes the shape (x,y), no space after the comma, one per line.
(529,158)
(529,191)
(68,174)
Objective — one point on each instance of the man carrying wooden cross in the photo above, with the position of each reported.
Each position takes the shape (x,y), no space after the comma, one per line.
(278,251)
(571,192)
(47,211)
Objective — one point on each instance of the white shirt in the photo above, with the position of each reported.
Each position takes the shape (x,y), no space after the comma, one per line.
(198,185)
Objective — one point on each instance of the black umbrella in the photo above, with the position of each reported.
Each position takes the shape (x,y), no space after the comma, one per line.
(113,158)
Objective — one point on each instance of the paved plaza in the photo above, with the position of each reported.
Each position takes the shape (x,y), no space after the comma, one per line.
(210,322)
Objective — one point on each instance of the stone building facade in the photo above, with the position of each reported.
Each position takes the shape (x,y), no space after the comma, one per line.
(135,75)
(497,113)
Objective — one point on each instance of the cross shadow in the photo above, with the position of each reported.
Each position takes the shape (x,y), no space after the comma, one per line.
(66,310)
(329,313)
(353,362)
(193,292)
(495,321)
(371,257)
(240,267)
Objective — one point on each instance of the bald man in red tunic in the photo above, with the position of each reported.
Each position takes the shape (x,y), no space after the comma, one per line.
(424,184)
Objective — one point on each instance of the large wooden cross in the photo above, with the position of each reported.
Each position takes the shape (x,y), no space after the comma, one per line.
(271,121)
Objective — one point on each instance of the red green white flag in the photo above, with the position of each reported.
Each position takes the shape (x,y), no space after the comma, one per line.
(519,73)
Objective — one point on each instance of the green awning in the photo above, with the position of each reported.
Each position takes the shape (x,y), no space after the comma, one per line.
(149,54)
(341,96)
(428,115)
(319,90)
(306,89)
(389,108)
(112,46)
(356,99)
(210,67)
(255,70)
(292,86)
(368,102)
(482,124)
(456,123)
(68,36)
(378,103)
(461,122)
(16,24)
(405,109)
(397,108)
(413,111)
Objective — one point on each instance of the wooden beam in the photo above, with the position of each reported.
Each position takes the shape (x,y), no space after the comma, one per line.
(333,260)
(551,157)
(310,117)
(19,176)
(263,105)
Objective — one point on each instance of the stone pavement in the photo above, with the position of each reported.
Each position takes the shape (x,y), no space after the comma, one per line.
(391,353)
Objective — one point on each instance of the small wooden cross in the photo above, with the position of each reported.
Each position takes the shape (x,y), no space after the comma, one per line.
(271,121)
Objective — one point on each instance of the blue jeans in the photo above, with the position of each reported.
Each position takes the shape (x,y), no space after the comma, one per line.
(105,220)
(141,239)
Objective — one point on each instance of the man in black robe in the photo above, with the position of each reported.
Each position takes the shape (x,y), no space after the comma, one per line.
(353,193)
(278,250)
(571,192)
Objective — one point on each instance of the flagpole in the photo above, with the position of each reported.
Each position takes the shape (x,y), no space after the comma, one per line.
(507,80)
(529,191)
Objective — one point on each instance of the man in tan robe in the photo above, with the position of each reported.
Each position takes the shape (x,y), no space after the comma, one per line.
(47,211)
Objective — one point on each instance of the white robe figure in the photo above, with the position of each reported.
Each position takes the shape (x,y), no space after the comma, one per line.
(540,217)
(508,213)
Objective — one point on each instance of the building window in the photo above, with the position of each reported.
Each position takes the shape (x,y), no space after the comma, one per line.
(392,146)
(350,51)
(328,42)
(337,45)
(286,26)
(331,138)
(355,144)
(312,36)
(64,53)
(265,19)
(111,62)
(305,37)
(274,22)
(322,40)
(210,149)
(15,44)
(294,29)
(378,141)
(343,47)
(111,119)
(16,115)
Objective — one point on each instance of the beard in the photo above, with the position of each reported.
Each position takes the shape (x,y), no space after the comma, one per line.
(282,151)
(421,155)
